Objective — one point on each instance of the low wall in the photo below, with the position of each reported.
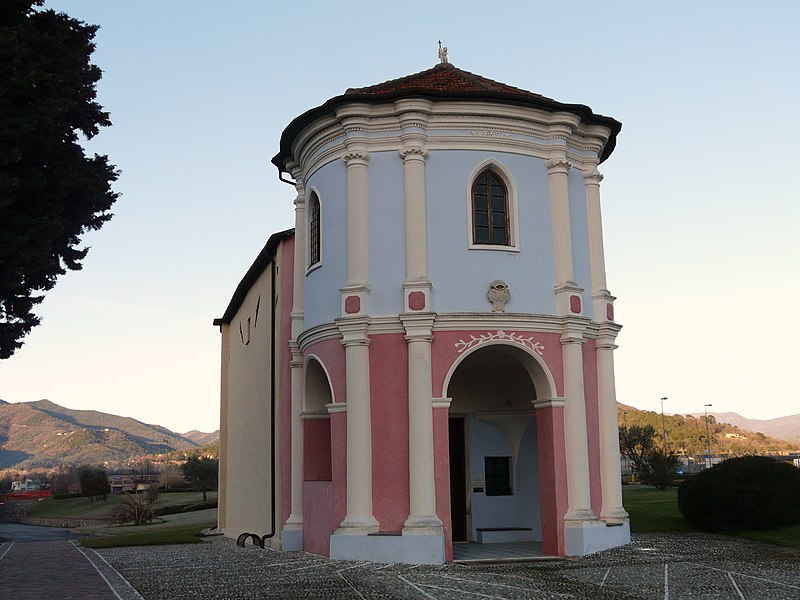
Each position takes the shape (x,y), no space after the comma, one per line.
(62,522)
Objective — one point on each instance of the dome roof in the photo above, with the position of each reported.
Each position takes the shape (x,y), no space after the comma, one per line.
(444,82)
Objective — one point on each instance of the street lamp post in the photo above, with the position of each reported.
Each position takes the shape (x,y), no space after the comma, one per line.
(664,423)
(708,440)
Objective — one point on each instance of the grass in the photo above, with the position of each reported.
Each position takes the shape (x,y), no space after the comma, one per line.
(653,510)
(175,529)
(77,508)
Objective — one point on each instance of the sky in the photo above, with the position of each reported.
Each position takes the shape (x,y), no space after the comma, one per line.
(701,207)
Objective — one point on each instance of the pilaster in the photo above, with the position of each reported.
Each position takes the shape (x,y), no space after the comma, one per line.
(359,519)
(422,519)
(416,285)
(291,536)
(602,300)
(575,430)
(568,298)
(612,508)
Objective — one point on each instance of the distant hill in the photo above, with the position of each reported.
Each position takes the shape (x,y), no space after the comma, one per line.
(785,428)
(687,434)
(44,434)
(201,438)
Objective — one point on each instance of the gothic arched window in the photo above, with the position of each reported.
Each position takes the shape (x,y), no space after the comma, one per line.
(490,210)
(314,240)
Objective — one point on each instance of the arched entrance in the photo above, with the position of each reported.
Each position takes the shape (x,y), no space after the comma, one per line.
(495,484)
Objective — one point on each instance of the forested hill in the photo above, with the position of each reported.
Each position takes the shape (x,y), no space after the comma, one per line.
(44,434)
(686,434)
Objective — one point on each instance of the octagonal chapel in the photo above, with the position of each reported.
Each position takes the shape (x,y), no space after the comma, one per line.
(426,359)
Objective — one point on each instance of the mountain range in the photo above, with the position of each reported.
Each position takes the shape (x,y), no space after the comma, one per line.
(44,434)
(785,428)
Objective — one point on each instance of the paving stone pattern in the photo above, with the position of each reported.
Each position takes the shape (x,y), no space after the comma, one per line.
(654,566)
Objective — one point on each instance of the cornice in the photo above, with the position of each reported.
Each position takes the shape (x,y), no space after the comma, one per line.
(474,125)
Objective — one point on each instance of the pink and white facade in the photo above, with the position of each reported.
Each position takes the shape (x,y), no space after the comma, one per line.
(439,355)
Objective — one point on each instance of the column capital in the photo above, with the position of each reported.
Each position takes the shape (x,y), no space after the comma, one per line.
(356,155)
(418,326)
(297,356)
(592,177)
(558,165)
(353,330)
(548,403)
(414,147)
(573,330)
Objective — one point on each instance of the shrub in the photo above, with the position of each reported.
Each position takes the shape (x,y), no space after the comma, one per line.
(752,492)
(133,509)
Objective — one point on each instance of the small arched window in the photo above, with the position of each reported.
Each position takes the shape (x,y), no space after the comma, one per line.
(314,256)
(490,210)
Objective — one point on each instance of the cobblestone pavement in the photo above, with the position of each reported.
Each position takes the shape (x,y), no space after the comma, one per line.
(662,566)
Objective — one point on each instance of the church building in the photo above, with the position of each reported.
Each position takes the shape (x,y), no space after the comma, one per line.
(427,358)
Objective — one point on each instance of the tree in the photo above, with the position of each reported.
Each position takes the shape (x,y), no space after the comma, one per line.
(94,483)
(50,191)
(654,466)
(202,472)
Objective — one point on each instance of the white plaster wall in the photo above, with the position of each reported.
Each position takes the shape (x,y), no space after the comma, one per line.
(522,508)
(461,276)
(247,476)
(321,297)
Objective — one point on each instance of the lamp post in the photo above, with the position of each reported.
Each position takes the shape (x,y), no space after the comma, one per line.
(708,440)
(664,423)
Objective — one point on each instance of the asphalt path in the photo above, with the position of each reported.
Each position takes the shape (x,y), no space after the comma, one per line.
(14,532)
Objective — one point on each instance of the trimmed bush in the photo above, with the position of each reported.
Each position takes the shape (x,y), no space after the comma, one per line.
(752,492)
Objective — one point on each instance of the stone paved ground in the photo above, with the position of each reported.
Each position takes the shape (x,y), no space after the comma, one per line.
(655,566)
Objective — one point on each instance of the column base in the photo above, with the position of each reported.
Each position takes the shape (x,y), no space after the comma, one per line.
(408,549)
(614,515)
(358,525)
(292,539)
(422,525)
(586,537)
(580,514)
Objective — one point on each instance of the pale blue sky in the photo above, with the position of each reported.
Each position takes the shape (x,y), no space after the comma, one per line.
(700,199)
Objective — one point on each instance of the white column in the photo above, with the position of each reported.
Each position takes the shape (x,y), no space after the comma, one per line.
(359,519)
(601,298)
(413,152)
(357,217)
(575,435)
(557,170)
(294,524)
(568,294)
(610,479)
(422,519)
(295,520)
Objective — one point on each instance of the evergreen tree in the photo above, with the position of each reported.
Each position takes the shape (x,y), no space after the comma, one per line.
(50,191)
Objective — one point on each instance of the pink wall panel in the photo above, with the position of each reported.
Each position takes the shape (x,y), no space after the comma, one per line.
(388,365)
(592,423)
(441,457)
(552,478)
(339,468)
(318,521)
(317,450)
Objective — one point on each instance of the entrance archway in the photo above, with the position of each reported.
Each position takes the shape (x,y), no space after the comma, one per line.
(494,453)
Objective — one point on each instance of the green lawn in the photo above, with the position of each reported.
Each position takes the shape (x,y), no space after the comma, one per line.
(654,510)
(181,528)
(82,508)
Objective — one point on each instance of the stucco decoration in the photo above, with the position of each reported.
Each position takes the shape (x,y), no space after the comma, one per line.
(610,311)
(498,295)
(515,338)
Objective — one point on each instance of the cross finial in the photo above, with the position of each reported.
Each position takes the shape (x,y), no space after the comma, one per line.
(442,53)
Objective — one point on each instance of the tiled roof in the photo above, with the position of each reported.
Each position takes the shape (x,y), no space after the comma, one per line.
(444,77)
(444,82)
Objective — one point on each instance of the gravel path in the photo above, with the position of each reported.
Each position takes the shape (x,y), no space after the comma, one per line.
(657,566)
